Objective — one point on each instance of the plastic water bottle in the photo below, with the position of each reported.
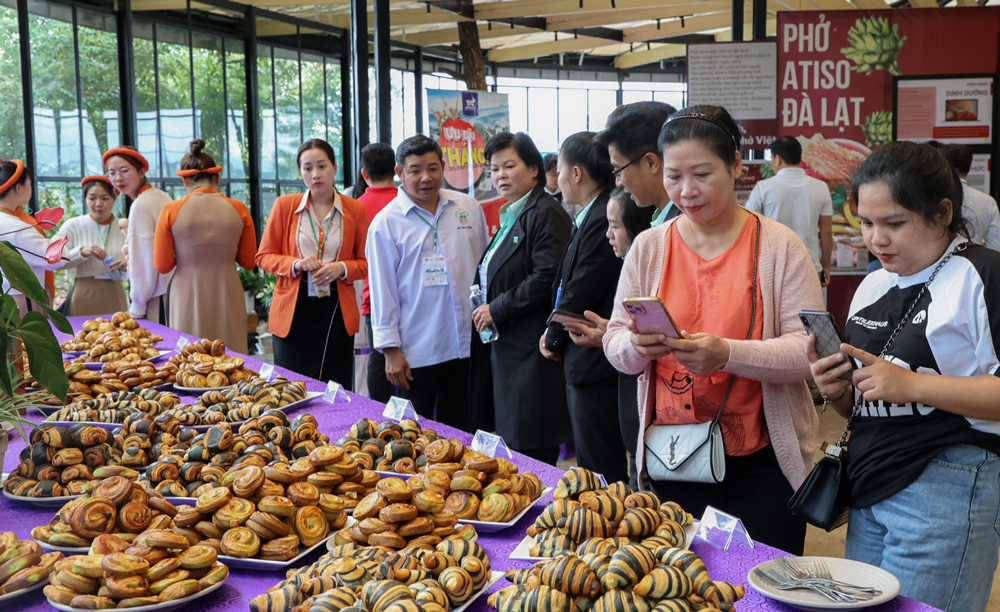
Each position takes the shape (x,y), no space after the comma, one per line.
(490,334)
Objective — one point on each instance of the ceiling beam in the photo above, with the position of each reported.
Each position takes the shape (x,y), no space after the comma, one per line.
(967,3)
(923,3)
(512,54)
(834,5)
(449,36)
(875,4)
(540,8)
(583,20)
(641,58)
(409,17)
(676,27)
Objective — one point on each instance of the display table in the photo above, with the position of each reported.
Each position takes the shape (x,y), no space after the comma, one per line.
(334,420)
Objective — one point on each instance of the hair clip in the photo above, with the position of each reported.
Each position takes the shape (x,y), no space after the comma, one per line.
(704,117)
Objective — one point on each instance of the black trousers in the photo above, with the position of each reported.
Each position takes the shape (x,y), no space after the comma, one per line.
(593,412)
(441,392)
(549,454)
(379,387)
(628,421)
(317,345)
(754,490)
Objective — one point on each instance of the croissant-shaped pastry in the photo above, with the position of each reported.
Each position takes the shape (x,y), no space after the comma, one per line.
(642,499)
(723,594)
(477,570)
(550,516)
(676,557)
(526,577)
(459,549)
(583,604)
(430,590)
(575,481)
(280,600)
(572,576)
(583,524)
(627,567)
(509,599)
(598,563)
(457,583)
(333,600)
(318,585)
(545,599)
(664,582)
(673,605)
(619,600)
(598,546)
(549,543)
(377,595)
(639,522)
(603,503)
(674,512)
(669,530)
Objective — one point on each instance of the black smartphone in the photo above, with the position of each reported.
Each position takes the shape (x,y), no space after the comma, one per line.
(828,336)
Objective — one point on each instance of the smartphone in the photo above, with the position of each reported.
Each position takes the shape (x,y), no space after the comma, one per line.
(651,316)
(828,336)
(558,317)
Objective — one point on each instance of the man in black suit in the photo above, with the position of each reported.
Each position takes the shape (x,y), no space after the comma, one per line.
(586,281)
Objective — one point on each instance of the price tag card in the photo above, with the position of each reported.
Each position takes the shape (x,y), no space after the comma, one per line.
(488,444)
(267,371)
(333,391)
(181,343)
(398,409)
(719,529)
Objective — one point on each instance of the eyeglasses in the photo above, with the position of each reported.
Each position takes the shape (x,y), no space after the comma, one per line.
(619,171)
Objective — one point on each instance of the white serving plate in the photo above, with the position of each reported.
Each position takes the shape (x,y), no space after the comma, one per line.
(67,550)
(521,552)
(30,589)
(198,390)
(844,570)
(42,502)
(393,475)
(261,564)
(487,527)
(97,365)
(160,607)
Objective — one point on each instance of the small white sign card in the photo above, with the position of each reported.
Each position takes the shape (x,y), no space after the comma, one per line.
(181,343)
(398,409)
(333,389)
(720,528)
(488,444)
(267,371)
(604,481)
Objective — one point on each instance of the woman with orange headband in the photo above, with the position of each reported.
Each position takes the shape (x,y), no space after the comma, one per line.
(199,237)
(22,231)
(127,169)
(96,259)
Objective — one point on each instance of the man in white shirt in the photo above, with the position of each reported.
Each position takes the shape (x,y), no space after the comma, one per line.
(795,199)
(422,252)
(979,209)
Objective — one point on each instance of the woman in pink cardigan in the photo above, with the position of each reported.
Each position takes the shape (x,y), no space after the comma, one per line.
(701,265)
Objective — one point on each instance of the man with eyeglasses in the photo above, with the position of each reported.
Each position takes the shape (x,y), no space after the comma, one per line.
(630,136)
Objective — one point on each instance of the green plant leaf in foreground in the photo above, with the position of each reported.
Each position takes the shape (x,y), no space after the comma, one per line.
(60,321)
(5,386)
(19,274)
(44,354)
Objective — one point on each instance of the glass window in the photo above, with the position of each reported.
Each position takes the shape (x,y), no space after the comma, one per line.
(543,125)
(209,96)
(287,110)
(268,137)
(399,109)
(572,114)
(236,104)
(410,95)
(517,100)
(600,104)
(11,101)
(173,64)
(628,97)
(313,98)
(57,114)
(268,194)
(335,126)
(98,43)
(147,121)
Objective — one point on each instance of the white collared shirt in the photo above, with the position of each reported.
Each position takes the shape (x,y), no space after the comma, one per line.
(431,324)
(795,199)
(981,213)
(332,227)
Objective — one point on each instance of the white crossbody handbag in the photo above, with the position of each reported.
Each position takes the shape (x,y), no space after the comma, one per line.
(697,452)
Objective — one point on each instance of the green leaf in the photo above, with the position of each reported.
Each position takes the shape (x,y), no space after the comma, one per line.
(5,385)
(44,354)
(19,274)
(60,321)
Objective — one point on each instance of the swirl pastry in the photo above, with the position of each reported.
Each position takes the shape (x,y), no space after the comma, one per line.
(134,518)
(240,542)
(248,481)
(326,455)
(234,513)
(394,489)
(302,494)
(123,564)
(457,583)
(464,504)
(324,480)
(197,557)
(310,524)
(124,587)
(116,488)
(94,516)
(267,526)
(437,481)
(213,500)
(179,590)
(215,575)
(92,602)
(282,548)
(277,505)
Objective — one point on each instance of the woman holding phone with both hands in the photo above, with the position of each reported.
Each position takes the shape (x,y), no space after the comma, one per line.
(923,469)
(702,265)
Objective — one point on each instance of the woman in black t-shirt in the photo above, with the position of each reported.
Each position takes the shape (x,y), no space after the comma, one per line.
(924,333)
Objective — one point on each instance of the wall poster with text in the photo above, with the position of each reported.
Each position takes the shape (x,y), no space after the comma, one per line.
(463,122)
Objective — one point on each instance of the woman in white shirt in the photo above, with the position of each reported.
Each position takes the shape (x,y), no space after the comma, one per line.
(21,230)
(127,169)
(96,260)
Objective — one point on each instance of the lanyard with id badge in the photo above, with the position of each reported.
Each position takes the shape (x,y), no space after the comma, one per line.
(116,275)
(435,269)
(315,290)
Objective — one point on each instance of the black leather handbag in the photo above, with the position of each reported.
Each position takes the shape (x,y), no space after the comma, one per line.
(822,498)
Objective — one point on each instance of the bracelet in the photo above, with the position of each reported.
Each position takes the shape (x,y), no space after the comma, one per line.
(827,401)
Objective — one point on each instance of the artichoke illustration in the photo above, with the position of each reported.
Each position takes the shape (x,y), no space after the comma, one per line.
(875,45)
(878,128)
(766,171)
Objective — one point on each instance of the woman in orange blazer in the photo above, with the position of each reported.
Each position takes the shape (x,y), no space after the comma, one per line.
(314,242)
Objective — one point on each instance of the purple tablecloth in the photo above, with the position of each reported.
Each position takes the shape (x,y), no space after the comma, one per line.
(334,420)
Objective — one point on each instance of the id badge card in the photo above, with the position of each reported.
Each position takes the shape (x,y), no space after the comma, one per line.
(435,270)
(317,290)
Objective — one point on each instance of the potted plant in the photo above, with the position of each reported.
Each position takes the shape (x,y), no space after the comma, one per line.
(259,285)
(28,335)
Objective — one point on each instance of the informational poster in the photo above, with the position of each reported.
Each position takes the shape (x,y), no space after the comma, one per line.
(742,78)
(463,122)
(754,171)
(979,175)
(951,111)
(835,80)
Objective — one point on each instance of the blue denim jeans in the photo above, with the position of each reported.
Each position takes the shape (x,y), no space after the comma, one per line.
(940,536)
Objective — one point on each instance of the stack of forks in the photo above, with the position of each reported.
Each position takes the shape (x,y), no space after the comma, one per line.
(814,576)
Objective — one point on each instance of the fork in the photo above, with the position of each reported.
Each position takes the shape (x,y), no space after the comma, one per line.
(822,570)
(777,582)
(801,573)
